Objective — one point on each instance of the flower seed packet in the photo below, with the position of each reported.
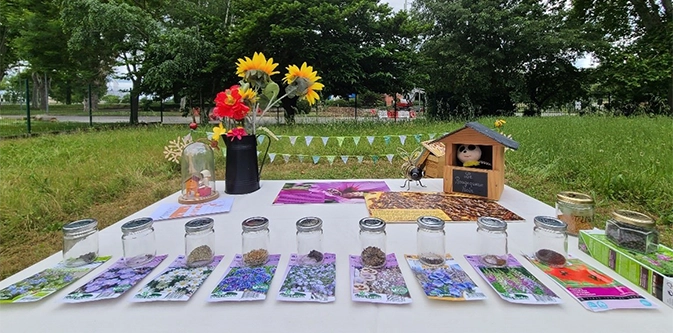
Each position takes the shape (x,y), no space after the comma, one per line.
(46,282)
(382,285)
(178,282)
(113,282)
(513,282)
(311,282)
(245,283)
(448,282)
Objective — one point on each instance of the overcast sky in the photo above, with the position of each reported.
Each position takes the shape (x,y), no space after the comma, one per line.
(397,4)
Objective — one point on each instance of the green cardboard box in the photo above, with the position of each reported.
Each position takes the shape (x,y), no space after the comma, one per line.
(653,272)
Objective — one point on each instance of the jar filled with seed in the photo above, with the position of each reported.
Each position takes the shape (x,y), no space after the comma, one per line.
(550,241)
(138,241)
(256,240)
(199,241)
(309,240)
(430,237)
(492,234)
(576,210)
(632,230)
(373,242)
(80,242)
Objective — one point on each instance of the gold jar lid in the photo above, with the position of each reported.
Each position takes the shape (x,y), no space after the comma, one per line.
(633,218)
(575,198)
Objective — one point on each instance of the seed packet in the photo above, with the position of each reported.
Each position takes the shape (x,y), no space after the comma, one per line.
(245,283)
(448,282)
(383,285)
(309,282)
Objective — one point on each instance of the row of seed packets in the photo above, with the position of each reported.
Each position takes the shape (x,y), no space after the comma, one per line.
(316,282)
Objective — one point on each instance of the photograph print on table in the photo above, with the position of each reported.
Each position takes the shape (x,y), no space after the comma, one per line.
(178,282)
(113,282)
(383,285)
(513,282)
(328,192)
(309,282)
(245,283)
(447,283)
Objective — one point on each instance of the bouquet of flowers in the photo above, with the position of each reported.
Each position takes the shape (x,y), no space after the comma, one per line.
(247,102)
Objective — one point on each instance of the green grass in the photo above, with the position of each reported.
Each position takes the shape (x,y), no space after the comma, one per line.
(49,180)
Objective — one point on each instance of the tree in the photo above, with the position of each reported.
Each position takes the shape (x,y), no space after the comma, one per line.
(8,12)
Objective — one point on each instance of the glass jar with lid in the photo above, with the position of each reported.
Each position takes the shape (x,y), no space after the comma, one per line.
(576,210)
(632,230)
(373,242)
(255,240)
(309,240)
(138,241)
(430,242)
(550,241)
(492,234)
(199,241)
(80,242)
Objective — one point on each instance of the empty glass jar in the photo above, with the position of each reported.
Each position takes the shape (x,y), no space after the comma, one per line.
(373,242)
(492,234)
(80,242)
(430,242)
(255,237)
(309,240)
(199,241)
(576,210)
(138,241)
(550,240)
(632,230)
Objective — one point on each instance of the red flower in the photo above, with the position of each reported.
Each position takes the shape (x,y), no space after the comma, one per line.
(229,104)
(237,132)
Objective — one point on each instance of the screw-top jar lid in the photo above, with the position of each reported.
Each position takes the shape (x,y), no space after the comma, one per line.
(550,223)
(309,223)
(256,223)
(633,218)
(199,224)
(575,198)
(138,224)
(430,223)
(372,224)
(80,226)
(491,223)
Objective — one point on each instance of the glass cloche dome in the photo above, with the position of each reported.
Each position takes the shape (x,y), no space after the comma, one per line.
(198,174)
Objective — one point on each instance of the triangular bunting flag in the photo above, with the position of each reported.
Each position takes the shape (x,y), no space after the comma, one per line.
(360,158)
(340,139)
(286,157)
(432,135)
(417,137)
(324,140)
(271,157)
(386,138)
(390,158)
(260,138)
(375,158)
(316,159)
(356,139)
(370,139)
(330,159)
(308,140)
(301,158)
(403,138)
(344,158)
(293,139)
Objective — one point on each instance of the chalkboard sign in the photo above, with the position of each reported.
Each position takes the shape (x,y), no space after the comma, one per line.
(470,182)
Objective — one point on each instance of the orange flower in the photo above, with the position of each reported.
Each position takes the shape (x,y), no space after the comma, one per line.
(230,104)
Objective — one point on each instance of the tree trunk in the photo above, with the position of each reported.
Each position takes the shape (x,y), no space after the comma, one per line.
(34,100)
(135,101)
(94,101)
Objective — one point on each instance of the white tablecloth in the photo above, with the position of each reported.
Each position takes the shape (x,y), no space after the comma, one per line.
(340,237)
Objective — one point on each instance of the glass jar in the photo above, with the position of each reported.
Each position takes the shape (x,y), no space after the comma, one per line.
(198,174)
(309,240)
(492,234)
(80,242)
(256,240)
(632,230)
(576,210)
(430,242)
(373,242)
(199,241)
(550,241)
(138,241)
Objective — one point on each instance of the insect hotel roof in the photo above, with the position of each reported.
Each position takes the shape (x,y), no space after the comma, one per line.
(491,135)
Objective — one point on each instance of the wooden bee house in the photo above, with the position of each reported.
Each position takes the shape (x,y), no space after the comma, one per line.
(487,178)
(431,159)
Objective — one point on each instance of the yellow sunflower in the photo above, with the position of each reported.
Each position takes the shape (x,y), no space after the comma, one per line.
(309,76)
(257,63)
(248,95)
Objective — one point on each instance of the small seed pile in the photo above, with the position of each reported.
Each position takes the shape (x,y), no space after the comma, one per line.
(372,256)
(200,256)
(550,257)
(576,223)
(493,260)
(431,259)
(315,255)
(256,257)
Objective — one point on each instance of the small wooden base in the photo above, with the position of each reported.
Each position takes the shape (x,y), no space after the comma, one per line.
(198,200)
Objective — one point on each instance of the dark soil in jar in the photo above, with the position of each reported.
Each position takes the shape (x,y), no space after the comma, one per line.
(256,257)
(630,237)
(493,260)
(373,256)
(431,259)
(200,256)
(550,257)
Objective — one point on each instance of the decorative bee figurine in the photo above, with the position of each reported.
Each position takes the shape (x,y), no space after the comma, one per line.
(409,169)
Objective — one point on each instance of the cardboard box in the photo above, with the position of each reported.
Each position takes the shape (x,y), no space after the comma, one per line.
(654,273)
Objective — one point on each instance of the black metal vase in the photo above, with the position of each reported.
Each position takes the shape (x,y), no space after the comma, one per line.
(242,172)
